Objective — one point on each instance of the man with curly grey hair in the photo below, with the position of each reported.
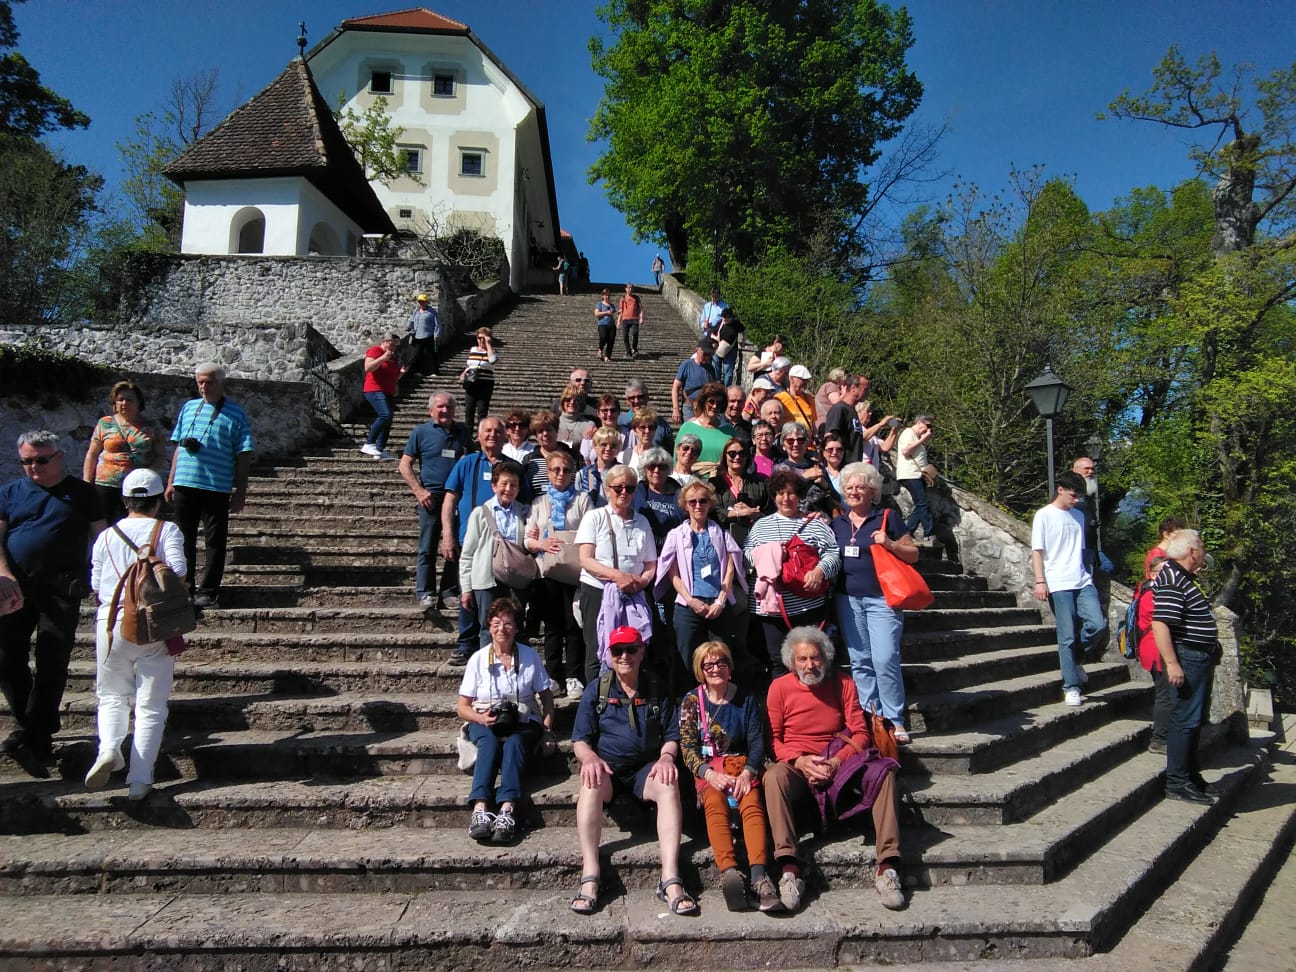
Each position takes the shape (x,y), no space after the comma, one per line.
(48,519)
(808,708)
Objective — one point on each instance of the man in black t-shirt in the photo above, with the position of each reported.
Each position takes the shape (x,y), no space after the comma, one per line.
(844,420)
(48,520)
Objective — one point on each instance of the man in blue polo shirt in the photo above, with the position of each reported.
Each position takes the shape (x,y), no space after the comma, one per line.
(697,369)
(209,476)
(48,520)
(467,487)
(436,446)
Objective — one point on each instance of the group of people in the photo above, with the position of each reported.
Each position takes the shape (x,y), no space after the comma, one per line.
(63,538)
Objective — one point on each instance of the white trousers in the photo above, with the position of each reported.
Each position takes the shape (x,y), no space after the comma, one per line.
(144,671)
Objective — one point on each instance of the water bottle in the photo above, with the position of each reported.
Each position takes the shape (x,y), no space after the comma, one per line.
(735,821)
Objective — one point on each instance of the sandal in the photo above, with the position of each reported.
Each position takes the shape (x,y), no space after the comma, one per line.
(588,903)
(683,903)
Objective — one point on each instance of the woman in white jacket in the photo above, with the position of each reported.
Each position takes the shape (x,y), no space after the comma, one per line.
(124,668)
(477,578)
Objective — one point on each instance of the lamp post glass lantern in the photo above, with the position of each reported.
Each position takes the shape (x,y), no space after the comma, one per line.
(1049,394)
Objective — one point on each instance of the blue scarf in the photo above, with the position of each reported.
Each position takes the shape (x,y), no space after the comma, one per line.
(558,503)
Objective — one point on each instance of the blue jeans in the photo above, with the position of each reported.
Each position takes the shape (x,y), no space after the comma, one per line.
(1073,609)
(425,565)
(727,367)
(872,630)
(630,334)
(505,755)
(921,515)
(1191,703)
(382,424)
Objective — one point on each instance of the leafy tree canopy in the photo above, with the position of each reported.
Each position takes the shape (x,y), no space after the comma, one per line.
(742,124)
(27,107)
(373,139)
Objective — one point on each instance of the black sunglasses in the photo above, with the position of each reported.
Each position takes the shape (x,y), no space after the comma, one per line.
(616,651)
(37,460)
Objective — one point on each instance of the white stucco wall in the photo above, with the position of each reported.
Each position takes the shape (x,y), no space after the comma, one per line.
(486,112)
(291,207)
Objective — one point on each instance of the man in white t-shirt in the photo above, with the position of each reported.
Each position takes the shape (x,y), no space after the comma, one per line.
(1061,578)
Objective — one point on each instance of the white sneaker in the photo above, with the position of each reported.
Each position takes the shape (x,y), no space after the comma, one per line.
(138,791)
(1073,697)
(574,688)
(105,766)
(369,449)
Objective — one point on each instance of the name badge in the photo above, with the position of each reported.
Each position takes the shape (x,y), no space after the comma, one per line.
(447,453)
(706,571)
(707,752)
(850,551)
(486,475)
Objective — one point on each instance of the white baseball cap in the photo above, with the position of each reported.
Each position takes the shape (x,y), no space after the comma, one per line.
(799,371)
(142,483)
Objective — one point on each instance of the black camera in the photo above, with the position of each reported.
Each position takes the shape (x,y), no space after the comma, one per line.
(191,444)
(506,718)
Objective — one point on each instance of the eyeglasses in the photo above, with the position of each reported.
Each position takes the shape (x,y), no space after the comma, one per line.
(794,438)
(38,460)
(636,398)
(736,455)
(658,466)
(832,450)
(715,664)
(568,401)
(616,651)
(607,411)
(502,622)
(580,379)
(687,448)
(515,425)
(560,470)
(698,502)
(712,403)
(620,488)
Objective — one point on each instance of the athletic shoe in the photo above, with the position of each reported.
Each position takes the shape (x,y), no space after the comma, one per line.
(1073,697)
(791,887)
(503,829)
(428,603)
(105,766)
(459,659)
(889,890)
(369,449)
(138,791)
(574,687)
(766,894)
(480,825)
(1157,746)
(384,454)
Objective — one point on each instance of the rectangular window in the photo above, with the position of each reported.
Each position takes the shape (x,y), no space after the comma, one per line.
(411,158)
(407,214)
(380,82)
(472,163)
(443,85)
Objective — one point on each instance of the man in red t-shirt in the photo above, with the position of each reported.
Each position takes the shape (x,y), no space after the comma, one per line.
(382,374)
(807,707)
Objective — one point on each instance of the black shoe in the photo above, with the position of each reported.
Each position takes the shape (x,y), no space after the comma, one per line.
(42,747)
(1210,789)
(14,742)
(1157,746)
(203,600)
(1189,794)
(460,658)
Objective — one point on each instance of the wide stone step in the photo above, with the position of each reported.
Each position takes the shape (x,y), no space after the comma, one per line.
(948,675)
(335,646)
(407,617)
(513,923)
(205,676)
(940,618)
(1001,740)
(972,703)
(927,646)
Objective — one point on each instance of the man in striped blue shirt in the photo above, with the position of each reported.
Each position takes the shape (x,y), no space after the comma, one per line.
(210,463)
(1187,639)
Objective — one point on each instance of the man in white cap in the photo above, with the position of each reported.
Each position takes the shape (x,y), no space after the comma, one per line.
(798,404)
(425,327)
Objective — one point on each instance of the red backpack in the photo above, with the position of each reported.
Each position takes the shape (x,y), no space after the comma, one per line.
(799,558)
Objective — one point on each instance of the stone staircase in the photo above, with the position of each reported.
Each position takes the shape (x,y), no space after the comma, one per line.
(309,813)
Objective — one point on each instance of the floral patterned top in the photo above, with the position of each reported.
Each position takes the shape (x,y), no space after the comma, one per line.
(126,447)
(737,728)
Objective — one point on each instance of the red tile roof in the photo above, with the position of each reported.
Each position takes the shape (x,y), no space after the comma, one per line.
(286,129)
(415,18)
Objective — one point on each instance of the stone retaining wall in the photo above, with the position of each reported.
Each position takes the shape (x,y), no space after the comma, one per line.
(258,316)
(283,415)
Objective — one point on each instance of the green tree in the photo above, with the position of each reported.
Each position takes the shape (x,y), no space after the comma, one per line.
(27,107)
(156,204)
(374,140)
(1232,322)
(745,124)
(45,206)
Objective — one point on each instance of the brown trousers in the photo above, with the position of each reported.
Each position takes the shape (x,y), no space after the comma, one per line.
(716,809)
(786,790)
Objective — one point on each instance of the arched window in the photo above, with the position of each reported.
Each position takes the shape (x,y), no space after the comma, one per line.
(247,231)
(324,241)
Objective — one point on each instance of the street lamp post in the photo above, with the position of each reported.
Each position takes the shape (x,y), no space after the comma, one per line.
(1049,393)
(1095,446)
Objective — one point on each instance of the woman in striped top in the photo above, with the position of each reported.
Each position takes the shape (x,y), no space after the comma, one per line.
(478,378)
(787,489)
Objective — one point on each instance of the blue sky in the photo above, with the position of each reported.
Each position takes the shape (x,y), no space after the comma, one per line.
(1018,81)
